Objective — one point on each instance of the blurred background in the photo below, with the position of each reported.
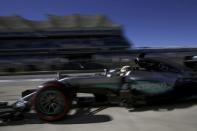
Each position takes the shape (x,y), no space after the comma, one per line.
(92,35)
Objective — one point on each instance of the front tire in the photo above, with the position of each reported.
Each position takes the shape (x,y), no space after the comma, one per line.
(52,104)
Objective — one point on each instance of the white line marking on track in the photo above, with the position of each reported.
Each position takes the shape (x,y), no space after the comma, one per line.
(25,80)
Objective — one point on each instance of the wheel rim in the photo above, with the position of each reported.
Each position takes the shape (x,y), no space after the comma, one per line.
(51,102)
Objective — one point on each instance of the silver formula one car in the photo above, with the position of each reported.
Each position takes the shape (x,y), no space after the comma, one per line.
(151,81)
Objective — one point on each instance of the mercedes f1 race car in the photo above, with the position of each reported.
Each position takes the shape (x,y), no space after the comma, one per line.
(149,82)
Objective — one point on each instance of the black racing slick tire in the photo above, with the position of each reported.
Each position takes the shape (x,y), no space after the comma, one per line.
(52,104)
(100,98)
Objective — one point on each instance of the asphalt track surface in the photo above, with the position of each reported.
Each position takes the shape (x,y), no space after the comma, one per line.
(170,117)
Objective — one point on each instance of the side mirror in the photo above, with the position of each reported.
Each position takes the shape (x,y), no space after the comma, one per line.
(61,76)
(58,76)
(105,72)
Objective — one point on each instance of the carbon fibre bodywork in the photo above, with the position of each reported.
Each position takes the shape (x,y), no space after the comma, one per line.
(149,84)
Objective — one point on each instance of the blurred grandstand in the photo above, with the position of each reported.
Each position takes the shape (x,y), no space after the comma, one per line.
(58,43)
(76,42)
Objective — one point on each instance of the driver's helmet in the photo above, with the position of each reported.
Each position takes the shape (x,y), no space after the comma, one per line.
(124,70)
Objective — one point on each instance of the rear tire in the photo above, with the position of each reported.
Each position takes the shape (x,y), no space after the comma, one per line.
(100,98)
(52,104)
